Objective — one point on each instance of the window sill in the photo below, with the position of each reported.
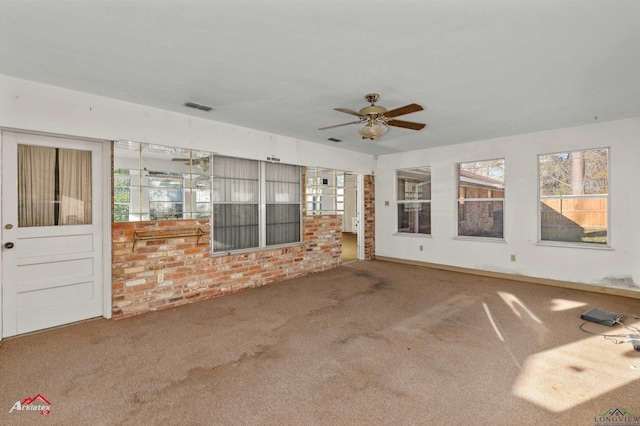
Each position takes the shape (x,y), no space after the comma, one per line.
(564,244)
(254,249)
(481,239)
(411,235)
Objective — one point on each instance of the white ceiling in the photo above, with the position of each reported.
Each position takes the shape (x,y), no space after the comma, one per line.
(481,69)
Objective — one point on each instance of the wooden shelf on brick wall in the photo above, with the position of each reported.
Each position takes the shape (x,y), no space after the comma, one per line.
(166,234)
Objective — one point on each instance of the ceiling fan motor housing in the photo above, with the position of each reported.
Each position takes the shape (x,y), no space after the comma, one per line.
(373,110)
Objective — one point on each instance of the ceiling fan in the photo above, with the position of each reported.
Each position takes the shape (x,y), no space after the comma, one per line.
(377,118)
(202,162)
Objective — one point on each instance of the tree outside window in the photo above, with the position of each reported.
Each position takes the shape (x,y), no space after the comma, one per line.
(574,196)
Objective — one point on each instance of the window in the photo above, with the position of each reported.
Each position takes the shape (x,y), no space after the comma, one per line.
(574,196)
(481,186)
(165,195)
(413,199)
(325,190)
(283,203)
(121,197)
(154,182)
(54,186)
(256,204)
(251,204)
(236,201)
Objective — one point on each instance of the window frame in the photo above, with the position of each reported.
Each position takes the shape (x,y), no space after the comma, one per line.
(313,191)
(400,202)
(540,197)
(264,190)
(262,204)
(139,163)
(463,200)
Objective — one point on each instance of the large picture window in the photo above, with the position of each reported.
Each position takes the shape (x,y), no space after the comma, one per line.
(413,200)
(574,196)
(481,189)
(255,204)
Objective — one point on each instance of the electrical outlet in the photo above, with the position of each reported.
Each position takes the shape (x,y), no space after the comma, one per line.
(421,248)
(386,203)
(513,257)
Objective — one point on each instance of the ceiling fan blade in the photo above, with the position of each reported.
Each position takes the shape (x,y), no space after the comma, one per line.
(348,111)
(407,109)
(340,125)
(406,124)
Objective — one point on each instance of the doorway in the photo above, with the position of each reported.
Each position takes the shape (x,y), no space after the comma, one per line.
(52,231)
(350,219)
(336,192)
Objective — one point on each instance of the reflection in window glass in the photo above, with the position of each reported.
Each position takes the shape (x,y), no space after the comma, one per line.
(324,191)
(154,182)
(166,196)
(121,197)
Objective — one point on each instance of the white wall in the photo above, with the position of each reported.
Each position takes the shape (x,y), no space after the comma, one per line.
(616,267)
(37,107)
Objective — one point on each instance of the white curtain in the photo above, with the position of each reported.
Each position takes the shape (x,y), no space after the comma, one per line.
(236,180)
(75,187)
(283,183)
(54,186)
(236,196)
(36,186)
(283,203)
(237,199)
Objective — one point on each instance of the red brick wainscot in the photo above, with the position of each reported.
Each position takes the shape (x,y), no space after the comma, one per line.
(175,269)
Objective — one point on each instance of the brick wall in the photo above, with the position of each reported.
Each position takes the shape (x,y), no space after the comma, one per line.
(369,217)
(163,273)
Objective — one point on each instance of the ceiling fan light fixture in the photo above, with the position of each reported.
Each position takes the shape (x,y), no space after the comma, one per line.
(373,130)
(377,119)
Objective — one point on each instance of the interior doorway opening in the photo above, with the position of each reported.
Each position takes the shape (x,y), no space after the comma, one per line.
(350,219)
(335,192)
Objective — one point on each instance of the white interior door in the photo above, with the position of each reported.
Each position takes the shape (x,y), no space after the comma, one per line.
(51,231)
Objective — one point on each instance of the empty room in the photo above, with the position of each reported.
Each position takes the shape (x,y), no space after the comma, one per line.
(319,212)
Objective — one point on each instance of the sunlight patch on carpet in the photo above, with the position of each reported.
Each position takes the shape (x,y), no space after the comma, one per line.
(569,375)
(558,305)
(514,302)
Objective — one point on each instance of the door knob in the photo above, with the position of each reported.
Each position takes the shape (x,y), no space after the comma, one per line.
(8,245)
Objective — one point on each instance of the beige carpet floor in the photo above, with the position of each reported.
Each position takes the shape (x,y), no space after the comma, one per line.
(366,343)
